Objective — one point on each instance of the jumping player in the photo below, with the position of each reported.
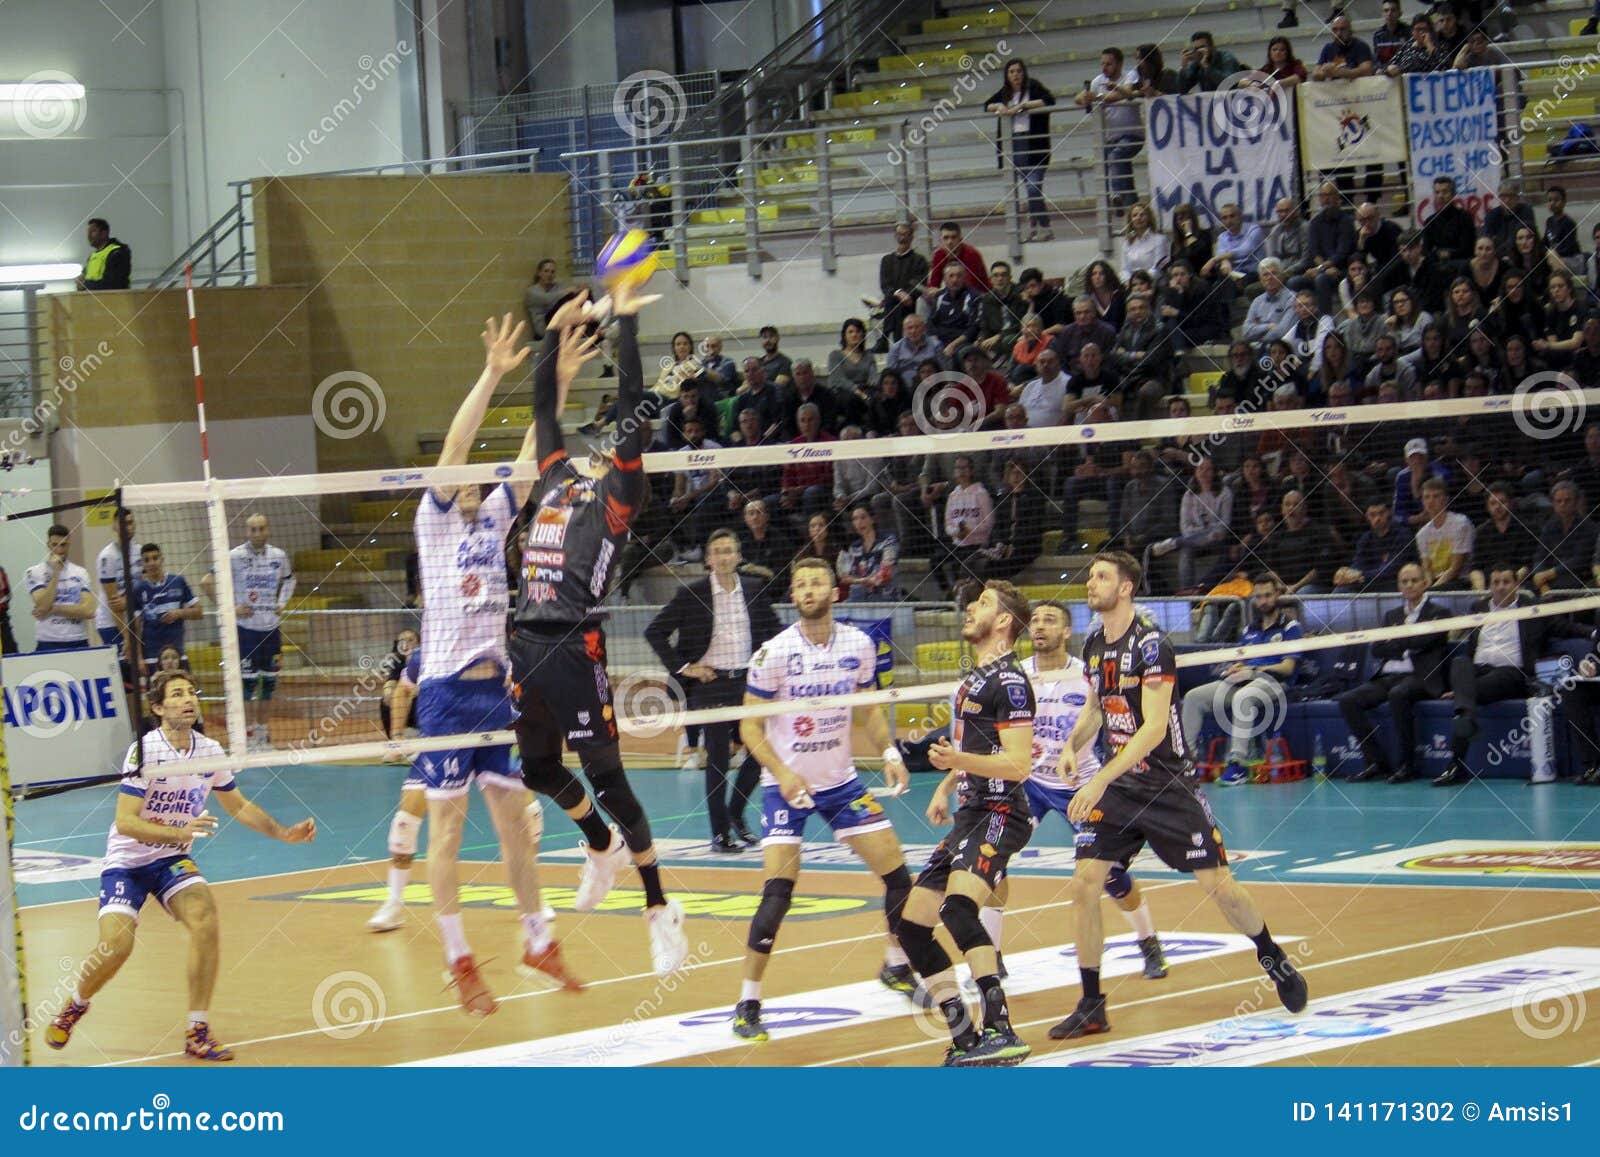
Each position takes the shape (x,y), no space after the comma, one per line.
(1060,693)
(808,770)
(990,750)
(462,686)
(263,584)
(558,650)
(1145,792)
(159,816)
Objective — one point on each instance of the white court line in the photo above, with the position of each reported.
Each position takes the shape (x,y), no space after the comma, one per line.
(588,984)
(213,883)
(96,834)
(1253,979)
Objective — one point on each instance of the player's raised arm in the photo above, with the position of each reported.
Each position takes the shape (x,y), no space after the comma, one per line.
(503,352)
(626,302)
(548,393)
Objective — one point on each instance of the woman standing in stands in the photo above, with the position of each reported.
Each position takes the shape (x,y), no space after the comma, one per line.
(1018,527)
(1144,246)
(1155,78)
(1027,103)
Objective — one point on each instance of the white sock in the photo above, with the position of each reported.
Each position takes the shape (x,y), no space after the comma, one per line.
(77,997)
(895,957)
(538,930)
(455,938)
(750,990)
(197,1016)
(993,919)
(398,879)
(1140,920)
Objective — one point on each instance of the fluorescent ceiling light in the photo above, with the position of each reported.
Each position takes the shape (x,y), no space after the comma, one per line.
(59,271)
(40,89)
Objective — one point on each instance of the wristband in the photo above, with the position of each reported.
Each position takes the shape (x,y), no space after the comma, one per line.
(893,753)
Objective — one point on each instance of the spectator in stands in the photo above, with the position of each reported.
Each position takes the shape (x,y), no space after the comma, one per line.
(1500,224)
(1044,396)
(1407,501)
(1444,540)
(1301,550)
(1205,518)
(389,670)
(1000,314)
(1586,359)
(1204,66)
(698,499)
(1431,361)
(1518,364)
(1497,662)
(1448,33)
(1025,354)
(541,297)
(953,315)
(904,478)
(1482,357)
(1092,470)
(1379,553)
(1028,103)
(1306,331)
(1242,379)
(1086,327)
(1260,679)
(1149,507)
(1377,240)
(807,486)
(993,391)
(1331,239)
(1356,279)
(1144,246)
(1237,250)
(1155,78)
(1406,320)
(110,264)
(915,346)
(1422,53)
(953,248)
(1449,234)
(1563,331)
(1563,557)
(1387,367)
(1052,306)
(670,435)
(1477,52)
(757,395)
(1361,332)
(1500,538)
(719,377)
(1142,355)
(1426,280)
(1411,668)
(1283,67)
(747,484)
(1226,450)
(1463,313)
(901,277)
(779,370)
(1189,241)
(851,368)
(1486,271)
(1289,240)
(1018,525)
(1032,459)
(1191,309)
(1115,91)
(1390,36)
(1101,283)
(805,390)
(819,541)
(1560,231)
(765,548)
(869,566)
(1177,453)
(968,523)
(887,404)
(1283,378)
(1345,56)
(1514,314)
(1334,367)
(860,481)
(1094,380)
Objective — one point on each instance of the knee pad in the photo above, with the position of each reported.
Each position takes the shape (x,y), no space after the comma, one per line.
(549,776)
(403,831)
(1118,882)
(896,891)
(925,953)
(533,822)
(776,897)
(612,792)
(960,916)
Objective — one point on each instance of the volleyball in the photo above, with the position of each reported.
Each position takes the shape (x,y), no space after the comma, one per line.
(627,259)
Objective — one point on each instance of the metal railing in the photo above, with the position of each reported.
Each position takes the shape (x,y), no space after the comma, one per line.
(19,348)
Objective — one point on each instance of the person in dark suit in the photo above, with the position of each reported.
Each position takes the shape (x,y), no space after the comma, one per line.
(1412,668)
(1496,663)
(719,622)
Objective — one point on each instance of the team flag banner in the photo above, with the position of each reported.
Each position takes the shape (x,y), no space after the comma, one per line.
(881,632)
(1453,121)
(1212,148)
(1352,122)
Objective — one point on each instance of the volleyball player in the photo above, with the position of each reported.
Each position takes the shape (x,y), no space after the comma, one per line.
(991,751)
(122,551)
(808,770)
(263,584)
(462,686)
(1145,792)
(159,816)
(558,649)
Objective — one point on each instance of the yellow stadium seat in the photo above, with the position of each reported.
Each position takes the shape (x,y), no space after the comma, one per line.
(378,510)
(1201,381)
(943,656)
(1052,541)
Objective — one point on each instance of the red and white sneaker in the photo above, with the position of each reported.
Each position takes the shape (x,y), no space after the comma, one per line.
(202,1046)
(60,1030)
(549,965)
(471,991)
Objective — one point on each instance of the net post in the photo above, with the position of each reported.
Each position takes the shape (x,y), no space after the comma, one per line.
(14,1040)
(132,637)
(227,621)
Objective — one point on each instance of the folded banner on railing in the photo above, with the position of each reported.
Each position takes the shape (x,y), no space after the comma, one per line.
(1352,122)
(1453,122)
(1210,149)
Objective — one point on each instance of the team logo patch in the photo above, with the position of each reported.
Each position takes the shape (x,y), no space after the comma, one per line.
(1150,649)
(583,718)
(804,725)
(1017,695)
(849,663)
(797,666)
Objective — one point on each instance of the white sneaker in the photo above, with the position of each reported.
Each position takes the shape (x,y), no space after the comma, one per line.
(391,916)
(599,872)
(669,946)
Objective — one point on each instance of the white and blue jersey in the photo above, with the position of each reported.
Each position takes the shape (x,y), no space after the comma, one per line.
(109,569)
(814,744)
(1060,696)
(263,580)
(72,584)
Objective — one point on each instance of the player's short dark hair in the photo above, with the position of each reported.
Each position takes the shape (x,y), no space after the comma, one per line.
(812,562)
(1033,273)
(766,329)
(1012,602)
(1066,612)
(101,222)
(57,530)
(163,680)
(718,535)
(1128,568)
(1501,564)
(147,548)
(1268,577)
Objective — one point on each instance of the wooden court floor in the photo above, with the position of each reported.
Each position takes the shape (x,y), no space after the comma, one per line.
(303,983)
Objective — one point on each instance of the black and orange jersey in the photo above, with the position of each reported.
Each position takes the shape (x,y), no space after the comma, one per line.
(1119,671)
(990,699)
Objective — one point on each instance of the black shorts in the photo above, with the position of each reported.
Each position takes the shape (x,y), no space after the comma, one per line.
(982,841)
(1176,822)
(562,692)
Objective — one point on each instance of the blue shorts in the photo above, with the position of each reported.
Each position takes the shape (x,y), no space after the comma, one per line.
(42,647)
(126,889)
(1043,800)
(463,707)
(258,653)
(849,809)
